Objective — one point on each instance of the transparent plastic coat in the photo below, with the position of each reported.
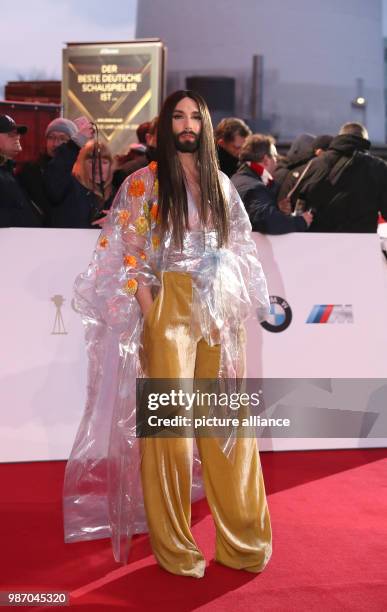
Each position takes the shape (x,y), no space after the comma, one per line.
(102,489)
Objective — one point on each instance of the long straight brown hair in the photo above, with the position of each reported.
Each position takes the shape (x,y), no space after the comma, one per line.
(173,205)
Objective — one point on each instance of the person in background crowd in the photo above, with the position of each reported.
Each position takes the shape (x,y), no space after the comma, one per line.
(346,187)
(290,167)
(58,179)
(258,190)
(16,208)
(295,165)
(142,131)
(230,135)
(139,154)
(58,132)
(321,144)
(89,192)
(151,141)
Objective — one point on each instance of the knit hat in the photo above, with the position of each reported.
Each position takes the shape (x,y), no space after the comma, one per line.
(66,126)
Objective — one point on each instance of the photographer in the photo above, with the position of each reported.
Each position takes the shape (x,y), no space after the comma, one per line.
(79,180)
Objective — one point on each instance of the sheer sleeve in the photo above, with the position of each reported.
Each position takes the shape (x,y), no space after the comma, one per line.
(254,291)
(120,262)
(133,215)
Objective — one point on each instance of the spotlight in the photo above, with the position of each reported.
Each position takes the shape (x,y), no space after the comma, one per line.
(359,102)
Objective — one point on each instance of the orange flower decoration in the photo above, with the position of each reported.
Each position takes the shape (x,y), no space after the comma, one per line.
(142,255)
(130,286)
(130,261)
(136,188)
(154,211)
(153,166)
(123,217)
(103,243)
(155,242)
(141,225)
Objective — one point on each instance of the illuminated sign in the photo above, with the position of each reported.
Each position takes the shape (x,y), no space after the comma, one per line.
(117,86)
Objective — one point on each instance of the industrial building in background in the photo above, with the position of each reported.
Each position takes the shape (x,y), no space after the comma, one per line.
(286,67)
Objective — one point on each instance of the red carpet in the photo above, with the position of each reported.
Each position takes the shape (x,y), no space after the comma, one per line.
(328,509)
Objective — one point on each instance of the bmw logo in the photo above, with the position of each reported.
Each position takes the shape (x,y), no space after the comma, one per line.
(280,315)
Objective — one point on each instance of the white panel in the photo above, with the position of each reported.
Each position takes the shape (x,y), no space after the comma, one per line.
(43,374)
(312,269)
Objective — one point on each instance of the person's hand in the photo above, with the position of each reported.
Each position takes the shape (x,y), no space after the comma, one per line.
(285,206)
(85,127)
(102,220)
(308,217)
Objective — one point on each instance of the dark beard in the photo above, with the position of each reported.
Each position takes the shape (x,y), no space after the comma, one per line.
(189,146)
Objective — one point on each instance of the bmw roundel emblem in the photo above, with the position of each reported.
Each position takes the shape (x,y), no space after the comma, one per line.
(280,315)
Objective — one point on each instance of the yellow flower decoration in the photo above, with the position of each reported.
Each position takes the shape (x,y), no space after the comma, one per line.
(136,188)
(155,242)
(154,211)
(141,225)
(153,166)
(146,209)
(156,187)
(142,255)
(130,261)
(103,242)
(130,286)
(123,217)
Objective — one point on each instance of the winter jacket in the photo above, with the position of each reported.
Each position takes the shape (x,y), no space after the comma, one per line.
(16,209)
(31,177)
(73,204)
(227,162)
(346,187)
(260,204)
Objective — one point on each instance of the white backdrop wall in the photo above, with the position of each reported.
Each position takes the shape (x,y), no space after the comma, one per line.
(42,358)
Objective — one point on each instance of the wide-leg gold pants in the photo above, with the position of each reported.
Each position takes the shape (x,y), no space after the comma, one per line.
(234,485)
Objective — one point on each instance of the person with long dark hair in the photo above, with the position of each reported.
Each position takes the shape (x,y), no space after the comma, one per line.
(173,277)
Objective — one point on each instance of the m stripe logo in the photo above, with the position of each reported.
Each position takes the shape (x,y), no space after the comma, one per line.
(331,313)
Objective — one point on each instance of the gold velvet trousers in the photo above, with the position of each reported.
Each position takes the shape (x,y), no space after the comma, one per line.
(234,485)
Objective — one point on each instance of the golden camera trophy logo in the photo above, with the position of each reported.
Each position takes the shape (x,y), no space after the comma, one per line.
(59,326)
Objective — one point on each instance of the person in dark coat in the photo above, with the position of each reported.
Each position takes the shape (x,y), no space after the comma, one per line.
(230,135)
(289,167)
(258,190)
(346,187)
(304,148)
(31,176)
(85,193)
(16,208)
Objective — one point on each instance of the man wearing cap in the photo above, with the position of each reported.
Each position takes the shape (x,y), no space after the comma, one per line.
(58,132)
(16,208)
